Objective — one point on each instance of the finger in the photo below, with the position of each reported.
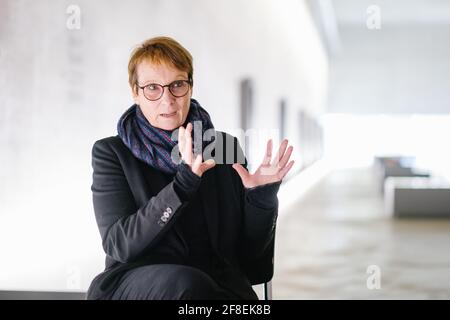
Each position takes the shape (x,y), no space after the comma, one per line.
(280,153)
(181,139)
(188,131)
(285,170)
(286,157)
(241,171)
(189,128)
(183,147)
(268,155)
(208,164)
(197,163)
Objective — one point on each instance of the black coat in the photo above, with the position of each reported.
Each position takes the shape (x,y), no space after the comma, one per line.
(130,197)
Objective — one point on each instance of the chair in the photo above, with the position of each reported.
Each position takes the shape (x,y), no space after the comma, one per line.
(268,290)
(261,271)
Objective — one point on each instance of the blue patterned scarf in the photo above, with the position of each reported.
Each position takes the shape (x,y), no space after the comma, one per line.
(154,145)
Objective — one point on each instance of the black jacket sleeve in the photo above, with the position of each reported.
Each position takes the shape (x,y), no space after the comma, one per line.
(126,230)
(260,208)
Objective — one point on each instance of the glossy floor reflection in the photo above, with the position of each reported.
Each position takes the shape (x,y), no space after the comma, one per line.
(326,242)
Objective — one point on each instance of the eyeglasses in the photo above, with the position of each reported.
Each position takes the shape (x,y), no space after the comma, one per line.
(154,91)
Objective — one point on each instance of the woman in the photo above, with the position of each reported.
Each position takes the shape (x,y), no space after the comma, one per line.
(189,228)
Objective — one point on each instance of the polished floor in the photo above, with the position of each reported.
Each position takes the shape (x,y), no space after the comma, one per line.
(338,243)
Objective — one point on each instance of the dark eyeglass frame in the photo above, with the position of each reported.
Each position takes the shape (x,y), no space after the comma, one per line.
(189,82)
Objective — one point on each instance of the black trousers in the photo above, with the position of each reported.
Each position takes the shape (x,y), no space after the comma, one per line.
(168,282)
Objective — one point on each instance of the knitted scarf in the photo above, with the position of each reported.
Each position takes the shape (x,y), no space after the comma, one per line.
(154,145)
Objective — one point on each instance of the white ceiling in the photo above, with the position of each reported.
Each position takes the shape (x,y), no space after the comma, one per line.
(403,67)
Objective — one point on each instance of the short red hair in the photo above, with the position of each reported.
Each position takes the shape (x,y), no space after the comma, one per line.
(160,50)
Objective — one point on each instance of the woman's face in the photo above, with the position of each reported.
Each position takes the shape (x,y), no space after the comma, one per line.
(168,112)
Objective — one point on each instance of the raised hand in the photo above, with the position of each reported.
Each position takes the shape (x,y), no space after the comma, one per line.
(268,171)
(185,146)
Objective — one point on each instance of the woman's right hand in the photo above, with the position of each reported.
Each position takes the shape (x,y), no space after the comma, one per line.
(197,165)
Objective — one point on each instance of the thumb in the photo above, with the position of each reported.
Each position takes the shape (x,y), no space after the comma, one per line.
(208,164)
(240,170)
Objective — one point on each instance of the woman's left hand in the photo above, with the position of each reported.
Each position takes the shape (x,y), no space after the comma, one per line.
(268,171)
